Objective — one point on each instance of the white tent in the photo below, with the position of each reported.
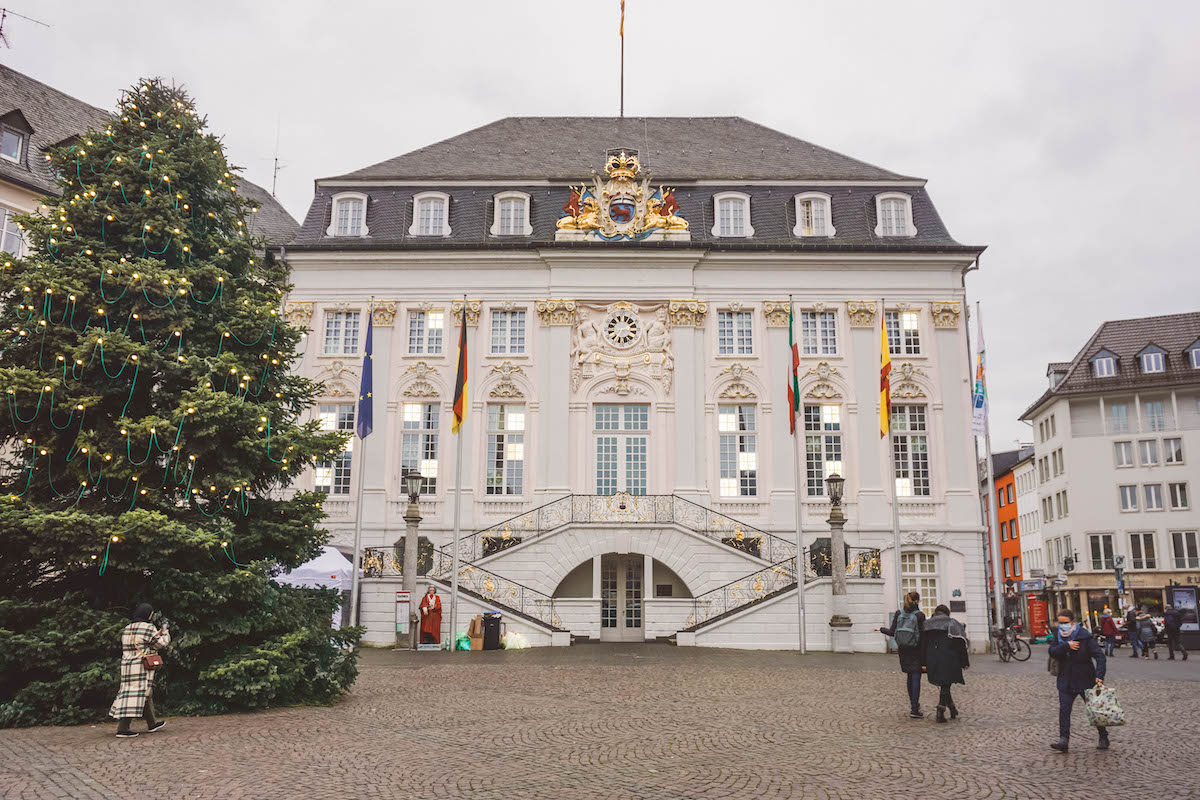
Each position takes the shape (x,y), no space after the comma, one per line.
(331,569)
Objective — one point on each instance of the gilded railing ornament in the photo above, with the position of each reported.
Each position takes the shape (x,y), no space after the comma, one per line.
(621,208)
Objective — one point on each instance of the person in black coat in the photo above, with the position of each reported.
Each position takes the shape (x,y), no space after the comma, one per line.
(945,644)
(1131,631)
(1172,624)
(1075,650)
(912,657)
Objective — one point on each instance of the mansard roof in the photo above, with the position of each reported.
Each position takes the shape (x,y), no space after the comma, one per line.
(674,148)
(1125,339)
(55,117)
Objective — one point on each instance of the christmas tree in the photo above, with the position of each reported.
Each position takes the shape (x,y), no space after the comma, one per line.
(151,431)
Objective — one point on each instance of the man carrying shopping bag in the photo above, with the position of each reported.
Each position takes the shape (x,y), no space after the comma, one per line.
(1075,650)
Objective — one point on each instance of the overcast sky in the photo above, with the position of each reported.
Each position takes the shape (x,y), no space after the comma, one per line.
(1065,136)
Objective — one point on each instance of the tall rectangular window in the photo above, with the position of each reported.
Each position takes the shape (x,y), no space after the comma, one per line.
(341,332)
(1156,417)
(425,332)
(11,240)
(1123,454)
(1104,367)
(918,573)
(506,449)
(739,451)
(419,442)
(349,218)
(1179,496)
(332,476)
(1129,498)
(1141,549)
(731,216)
(894,217)
(1173,450)
(1153,493)
(1148,451)
(508,332)
(1186,554)
(431,217)
(822,446)
(1102,550)
(904,334)
(512,216)
(818,333)
(812,217)
(735,334)
(1118,418)
(622,447)
(911,451)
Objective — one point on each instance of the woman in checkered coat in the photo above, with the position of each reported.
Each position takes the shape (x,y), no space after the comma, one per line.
(139,638)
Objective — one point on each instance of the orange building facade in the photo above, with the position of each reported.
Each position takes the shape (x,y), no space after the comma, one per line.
(1010,536)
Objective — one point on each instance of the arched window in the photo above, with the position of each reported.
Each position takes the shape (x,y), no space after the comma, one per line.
(431,214)
(511,215)
(893,212)
(814,215)
(732,211)
(349,215)
(919,573)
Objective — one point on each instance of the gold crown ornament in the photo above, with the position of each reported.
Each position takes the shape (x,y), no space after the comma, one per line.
(622,166)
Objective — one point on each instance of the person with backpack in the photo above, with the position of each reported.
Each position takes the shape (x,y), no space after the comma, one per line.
(1147,634)
(1131,630)
(1072,653)
(944,642)
(907,626)
(1172,623)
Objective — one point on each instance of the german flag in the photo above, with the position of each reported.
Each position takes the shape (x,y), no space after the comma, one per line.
(460,380)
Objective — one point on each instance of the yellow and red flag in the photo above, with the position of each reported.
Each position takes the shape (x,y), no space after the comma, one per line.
(885,382)
(460,381)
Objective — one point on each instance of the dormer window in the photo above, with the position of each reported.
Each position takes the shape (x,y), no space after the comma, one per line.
(1152,362)
(733,215)
(813,215)
(431,214)
(12,143)
(1193,354)
(893,212)
(511,215)
(1104,367)
(349,216)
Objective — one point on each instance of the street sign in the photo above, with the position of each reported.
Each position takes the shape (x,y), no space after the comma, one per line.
(403,601)
(1036,585)
(1037,573)
(1119,561)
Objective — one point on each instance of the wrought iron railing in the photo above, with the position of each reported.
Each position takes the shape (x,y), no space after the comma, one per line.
(861,563)
(382,561)
(625,508)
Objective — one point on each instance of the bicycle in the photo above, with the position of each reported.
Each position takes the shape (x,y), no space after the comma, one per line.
(1011,646)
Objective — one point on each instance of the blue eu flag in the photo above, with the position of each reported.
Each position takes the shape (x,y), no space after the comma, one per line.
(365,422)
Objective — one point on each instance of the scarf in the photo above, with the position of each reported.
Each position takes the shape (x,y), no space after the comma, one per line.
(952,627)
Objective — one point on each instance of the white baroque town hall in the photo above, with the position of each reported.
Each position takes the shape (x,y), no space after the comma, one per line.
(628,471)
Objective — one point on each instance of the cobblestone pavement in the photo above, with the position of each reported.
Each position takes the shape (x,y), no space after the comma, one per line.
(644,721)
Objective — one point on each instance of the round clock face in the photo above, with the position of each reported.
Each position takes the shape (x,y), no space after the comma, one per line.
(622,329)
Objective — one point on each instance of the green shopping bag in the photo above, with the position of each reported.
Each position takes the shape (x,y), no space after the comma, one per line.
(1102,708)
(463,642)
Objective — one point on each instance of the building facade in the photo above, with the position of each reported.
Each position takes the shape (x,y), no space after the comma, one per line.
(1117,438)
(627,466)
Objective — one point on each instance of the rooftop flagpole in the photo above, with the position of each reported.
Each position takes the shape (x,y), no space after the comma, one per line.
(622,58)
(460,415)
(364,423)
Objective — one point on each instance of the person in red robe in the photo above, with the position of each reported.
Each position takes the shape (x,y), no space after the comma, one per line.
(431,617)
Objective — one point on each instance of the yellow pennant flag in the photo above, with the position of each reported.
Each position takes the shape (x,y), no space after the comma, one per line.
(622,19)
(885,382)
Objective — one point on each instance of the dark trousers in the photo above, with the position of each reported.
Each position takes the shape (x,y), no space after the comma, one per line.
(1135,644)
(914,689)
(1173,644)
(944,698)
(1066,701)
(147,714)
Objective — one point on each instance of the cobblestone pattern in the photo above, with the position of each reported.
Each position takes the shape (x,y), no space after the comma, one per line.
(640,722)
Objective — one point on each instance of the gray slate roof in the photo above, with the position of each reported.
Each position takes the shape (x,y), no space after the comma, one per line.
(1125,338)
(676,149)
(56,117)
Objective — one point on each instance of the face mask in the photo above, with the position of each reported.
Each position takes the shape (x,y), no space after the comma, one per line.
(1065,628)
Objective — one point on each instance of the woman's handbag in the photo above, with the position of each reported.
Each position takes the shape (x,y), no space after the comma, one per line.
(1102,709)
(1054,666)
(152,662)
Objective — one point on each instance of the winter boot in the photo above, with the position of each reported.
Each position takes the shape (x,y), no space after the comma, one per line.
(941,713)
(1103,743)
(1060,745)
(953,710)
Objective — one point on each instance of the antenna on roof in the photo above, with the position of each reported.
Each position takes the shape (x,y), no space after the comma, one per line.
(4,12)
(277,166)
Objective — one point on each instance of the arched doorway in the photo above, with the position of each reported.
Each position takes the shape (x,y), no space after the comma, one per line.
(625,590)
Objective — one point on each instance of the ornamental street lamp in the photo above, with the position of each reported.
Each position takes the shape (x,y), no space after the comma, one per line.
(412,518)
(839,622)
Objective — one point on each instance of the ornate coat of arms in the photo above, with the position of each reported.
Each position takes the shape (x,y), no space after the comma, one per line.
(623,207)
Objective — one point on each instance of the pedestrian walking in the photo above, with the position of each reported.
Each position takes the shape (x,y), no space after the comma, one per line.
(945,644)
(1147,634)
(1108,627)
(139,639)
(1172,623)
(1131,630)
(907,624)
(1081,665)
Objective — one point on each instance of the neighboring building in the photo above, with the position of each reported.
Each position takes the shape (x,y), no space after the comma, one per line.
(1004,466)
(627,463)
(34,117)
(1117,458)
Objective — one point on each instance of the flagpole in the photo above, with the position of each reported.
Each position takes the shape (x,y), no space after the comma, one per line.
(359,458)
(993,500)
(622,58)
(891,478)
(800,564)
(458,460)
